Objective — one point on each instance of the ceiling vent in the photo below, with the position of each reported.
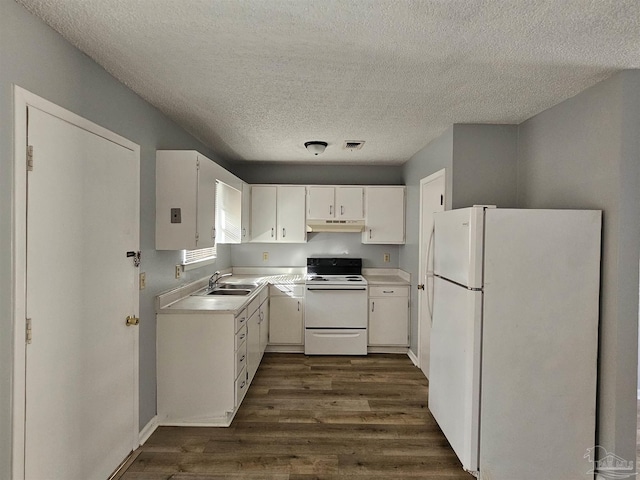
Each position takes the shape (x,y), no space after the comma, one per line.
(353,144)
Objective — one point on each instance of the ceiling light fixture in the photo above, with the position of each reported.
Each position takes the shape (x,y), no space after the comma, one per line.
(316,147)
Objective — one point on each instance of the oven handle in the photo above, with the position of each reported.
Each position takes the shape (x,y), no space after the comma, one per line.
(326,289)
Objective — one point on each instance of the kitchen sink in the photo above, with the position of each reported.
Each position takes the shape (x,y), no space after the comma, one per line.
(236,286)
(240,289)
(226,291)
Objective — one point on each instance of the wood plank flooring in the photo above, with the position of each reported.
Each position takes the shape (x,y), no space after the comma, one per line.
(308,418)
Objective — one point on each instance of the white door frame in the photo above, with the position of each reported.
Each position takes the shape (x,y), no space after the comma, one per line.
(23,99)
(421,260)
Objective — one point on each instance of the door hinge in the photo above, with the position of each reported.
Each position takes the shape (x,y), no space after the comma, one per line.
(30,158)
(28,331)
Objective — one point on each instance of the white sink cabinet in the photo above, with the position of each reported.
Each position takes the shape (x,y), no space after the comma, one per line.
(206,362)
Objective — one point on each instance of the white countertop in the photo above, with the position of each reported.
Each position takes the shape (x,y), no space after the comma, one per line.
(180,300)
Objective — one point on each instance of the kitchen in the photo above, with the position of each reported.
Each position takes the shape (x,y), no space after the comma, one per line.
(27,51)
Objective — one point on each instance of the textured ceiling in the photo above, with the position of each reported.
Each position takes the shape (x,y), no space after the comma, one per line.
(255,79)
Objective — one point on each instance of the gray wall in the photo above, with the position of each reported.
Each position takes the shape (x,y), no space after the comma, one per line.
(437,155)
(484,165)
(481,169)
(321,243)
(585,153)
(264,172)
(36,58)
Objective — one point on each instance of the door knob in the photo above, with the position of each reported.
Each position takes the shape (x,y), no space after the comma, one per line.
(132,320)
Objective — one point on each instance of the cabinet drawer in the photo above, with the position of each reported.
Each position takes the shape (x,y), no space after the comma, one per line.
(241,358)
(241,319)
(289,290)
(242,385)
(390,291)
(241,336)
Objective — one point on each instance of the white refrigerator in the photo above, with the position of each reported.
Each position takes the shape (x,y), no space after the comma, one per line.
(512,379)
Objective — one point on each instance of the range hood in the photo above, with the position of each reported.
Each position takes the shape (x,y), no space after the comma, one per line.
(335,225)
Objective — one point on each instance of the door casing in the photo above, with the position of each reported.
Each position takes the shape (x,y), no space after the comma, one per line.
(23,99)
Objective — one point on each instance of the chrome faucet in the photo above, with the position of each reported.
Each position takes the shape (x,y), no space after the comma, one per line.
(215,278)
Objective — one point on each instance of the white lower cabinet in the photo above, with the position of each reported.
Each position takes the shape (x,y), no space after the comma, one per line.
(389,315)
(206,362)
(286,315)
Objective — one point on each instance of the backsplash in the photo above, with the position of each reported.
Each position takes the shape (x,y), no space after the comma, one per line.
(318,244)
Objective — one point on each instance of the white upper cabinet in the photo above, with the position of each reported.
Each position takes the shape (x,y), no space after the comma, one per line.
(263,213)
(246,213)
(328,203)
(185,200)
(349,203)
(278,214)
(384,215)
(292,227)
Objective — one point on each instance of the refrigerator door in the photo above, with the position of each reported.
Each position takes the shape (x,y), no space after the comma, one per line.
(458,246)
(539,343)
(454,373)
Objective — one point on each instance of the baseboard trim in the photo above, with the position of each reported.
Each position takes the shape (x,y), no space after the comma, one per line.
(413,357)
(148,430)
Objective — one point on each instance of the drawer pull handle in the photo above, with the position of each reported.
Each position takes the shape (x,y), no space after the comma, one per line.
(242,336)
(243,319)
(387,291)
(242,358)
(373,306)
(243,384)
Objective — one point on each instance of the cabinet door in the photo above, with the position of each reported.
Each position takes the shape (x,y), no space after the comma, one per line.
(321,203)
(246,213)
(264,326)
(384,215)
(389,321)
(349,203)
(285,320)
(263,213)
(253,344)
(292,225)
(176,190)
(206,209)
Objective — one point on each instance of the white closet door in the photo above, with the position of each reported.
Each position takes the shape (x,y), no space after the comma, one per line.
(81,367)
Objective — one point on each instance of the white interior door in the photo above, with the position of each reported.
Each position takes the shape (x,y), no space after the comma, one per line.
(432,190)
(81,412)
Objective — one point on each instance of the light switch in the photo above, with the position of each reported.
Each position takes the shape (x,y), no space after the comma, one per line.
(176,215)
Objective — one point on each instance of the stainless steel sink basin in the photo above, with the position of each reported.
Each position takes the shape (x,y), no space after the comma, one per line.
(240,289)
(225,291)
(236,286)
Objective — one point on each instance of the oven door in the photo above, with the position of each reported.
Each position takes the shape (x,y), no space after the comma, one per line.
(335,307)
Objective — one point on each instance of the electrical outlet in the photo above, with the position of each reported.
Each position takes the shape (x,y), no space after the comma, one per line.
(143,281)
(387,258)
(265,256)
(178,271)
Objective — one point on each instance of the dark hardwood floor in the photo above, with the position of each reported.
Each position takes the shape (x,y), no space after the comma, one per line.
(310,418)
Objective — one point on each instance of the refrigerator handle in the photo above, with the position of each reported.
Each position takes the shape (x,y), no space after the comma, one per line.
(426,280)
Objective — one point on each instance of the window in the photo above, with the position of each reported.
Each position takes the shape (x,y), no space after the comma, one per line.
(190,257)
(228,213)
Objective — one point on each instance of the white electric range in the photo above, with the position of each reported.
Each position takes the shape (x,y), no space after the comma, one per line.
(335,307)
